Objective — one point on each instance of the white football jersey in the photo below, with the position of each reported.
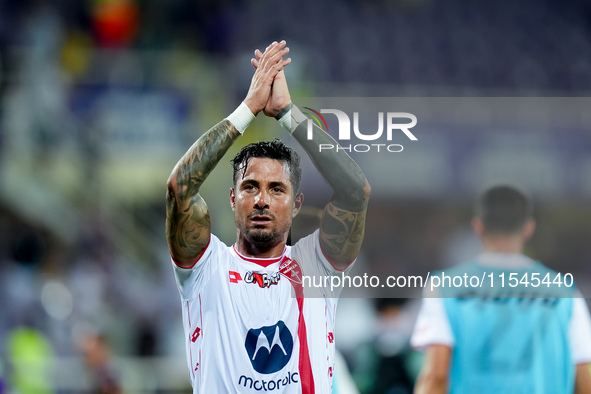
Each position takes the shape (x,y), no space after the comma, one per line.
(251,326)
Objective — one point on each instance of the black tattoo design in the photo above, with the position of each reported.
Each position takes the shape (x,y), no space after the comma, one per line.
(187,217)
(342,233)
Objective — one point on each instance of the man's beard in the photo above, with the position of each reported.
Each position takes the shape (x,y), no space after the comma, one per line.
(261,235)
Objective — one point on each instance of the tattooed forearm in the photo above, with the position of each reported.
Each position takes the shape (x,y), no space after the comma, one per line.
(341,234)
(187,218)
(191,171)
(343,222)
(343,175)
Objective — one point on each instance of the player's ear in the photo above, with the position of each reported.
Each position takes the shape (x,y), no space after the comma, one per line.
(297,204)
(478,226)
(232,199)
(528,229)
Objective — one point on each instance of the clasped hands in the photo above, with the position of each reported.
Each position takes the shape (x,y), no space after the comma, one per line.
(268,90)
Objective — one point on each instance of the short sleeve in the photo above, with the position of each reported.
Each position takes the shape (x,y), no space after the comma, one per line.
(580,332)
(309,247)
(432,326)
(317,269)
(190,280)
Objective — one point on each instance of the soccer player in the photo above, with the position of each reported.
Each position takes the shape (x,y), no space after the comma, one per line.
(531,338)
(248,327)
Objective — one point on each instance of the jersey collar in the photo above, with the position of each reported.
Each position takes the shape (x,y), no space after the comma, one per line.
(264,262)
(505,260)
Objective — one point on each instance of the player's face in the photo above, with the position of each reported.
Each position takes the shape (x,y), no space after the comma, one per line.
(263,202)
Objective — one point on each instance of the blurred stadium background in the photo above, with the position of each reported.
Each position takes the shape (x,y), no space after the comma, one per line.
(100,98)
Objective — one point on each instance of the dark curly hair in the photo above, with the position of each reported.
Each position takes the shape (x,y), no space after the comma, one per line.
(276,150)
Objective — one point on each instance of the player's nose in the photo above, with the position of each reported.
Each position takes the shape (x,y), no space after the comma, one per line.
(261,200)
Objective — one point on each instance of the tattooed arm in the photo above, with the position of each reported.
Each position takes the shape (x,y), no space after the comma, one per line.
(187,217)
(343,220)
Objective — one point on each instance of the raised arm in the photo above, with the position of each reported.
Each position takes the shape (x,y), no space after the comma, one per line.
(343,220)
(187,218)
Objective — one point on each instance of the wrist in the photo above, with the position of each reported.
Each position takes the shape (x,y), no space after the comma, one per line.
(241,117)
(284,111)
(292,118)
(251,106)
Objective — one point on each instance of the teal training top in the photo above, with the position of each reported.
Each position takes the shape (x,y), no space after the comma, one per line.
(510,340)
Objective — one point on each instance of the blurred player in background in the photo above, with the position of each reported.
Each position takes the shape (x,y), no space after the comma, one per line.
(102,372)
(531,338)
(244,330)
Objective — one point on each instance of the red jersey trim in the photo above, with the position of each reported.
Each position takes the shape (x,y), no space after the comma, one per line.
(200,321)
(196,260)
(190,351)
(304,364)
(263,262)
